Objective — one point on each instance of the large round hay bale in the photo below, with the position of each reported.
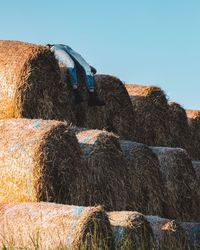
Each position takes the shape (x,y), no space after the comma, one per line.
(179,127)
(192,231)
(30,83)
(151,114)
(145,188)
(52,226)
(131,230)
(180,182)
(117,115)
(168,234)
(106,169)
(194,123)
(40,160)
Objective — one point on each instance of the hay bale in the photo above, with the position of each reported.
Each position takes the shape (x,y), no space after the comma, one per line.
(194,123)
(30,83)
(196,166)
(168,234)
(180,182)
(151,114)
(52,226)
(106,169)
(117,115)
(179,127)
(40,161)
(131,230)
(192,230)
(145,189)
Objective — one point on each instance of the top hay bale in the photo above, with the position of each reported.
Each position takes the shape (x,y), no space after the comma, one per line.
(40,160)
(180,182)
(107,175)
(49,226)
(194,123)
(117,115)
(30,84)
(151,114)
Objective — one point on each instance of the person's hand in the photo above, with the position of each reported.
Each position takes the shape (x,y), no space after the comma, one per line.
(94,71)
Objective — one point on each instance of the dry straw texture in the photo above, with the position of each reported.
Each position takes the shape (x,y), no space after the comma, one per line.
(30,82)
(117,115)
(179,127)
(168,234)
(46,226)
(192,231)
(194,123)
(151,114)
(106,169)
(180,182)
(131,230)
(145,188)
(40,161)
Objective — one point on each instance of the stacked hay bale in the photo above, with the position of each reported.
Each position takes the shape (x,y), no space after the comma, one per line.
(106,169)
(145,189)
(117,115)
(194,123)
(52,226)
(168,234)
(40,160)
(179,127)
(180,182)
(30,83)
(196,166)
(131,230)
(151,114)
(192,230)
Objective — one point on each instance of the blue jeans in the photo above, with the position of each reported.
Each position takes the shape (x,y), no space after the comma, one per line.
(66,56)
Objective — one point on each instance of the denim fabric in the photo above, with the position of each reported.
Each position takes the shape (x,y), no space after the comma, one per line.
(66,55)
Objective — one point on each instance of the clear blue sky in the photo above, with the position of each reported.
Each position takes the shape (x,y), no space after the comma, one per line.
(154,42)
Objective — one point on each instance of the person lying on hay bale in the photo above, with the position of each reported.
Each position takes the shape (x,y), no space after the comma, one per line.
(68,57)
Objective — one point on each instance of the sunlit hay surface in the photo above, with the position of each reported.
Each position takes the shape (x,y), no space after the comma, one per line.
(30,82)
(168,234)
(52,226)
(39,160)
(194,123)
(180,182)
(145,188)
(131,230)
(117,115)
(106,169)
(151,114)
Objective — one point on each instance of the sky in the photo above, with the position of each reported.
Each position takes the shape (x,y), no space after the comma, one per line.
(151,42)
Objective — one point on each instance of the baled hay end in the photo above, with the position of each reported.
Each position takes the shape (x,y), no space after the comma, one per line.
(180,182)
(52,226)
(107,173)
(194,124)
(29,82)
(40,161)
(145,188)
(168,234)
(131,230)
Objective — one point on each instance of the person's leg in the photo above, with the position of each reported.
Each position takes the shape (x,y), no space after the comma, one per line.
(89,78)
(66,60)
